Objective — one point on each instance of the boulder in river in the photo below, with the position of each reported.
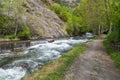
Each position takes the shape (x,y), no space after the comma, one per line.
(50,40)
(26,66)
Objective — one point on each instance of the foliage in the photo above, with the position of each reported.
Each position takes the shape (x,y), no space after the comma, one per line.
(56,70)
(115,17)
(93,14)
(11,25)
(114,35)
(7,28)
(114,55)
(73,27)
(62,12)
(11,36)
(109,48)
(5,23)
(116,13)
(25,34)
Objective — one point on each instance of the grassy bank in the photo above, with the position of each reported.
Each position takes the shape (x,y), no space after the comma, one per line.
(115,55)
(56,70)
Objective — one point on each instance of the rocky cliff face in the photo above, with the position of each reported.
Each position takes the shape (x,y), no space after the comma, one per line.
(43,21)
(68,3)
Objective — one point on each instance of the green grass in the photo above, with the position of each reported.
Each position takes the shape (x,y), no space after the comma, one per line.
(115,55)
(56,70)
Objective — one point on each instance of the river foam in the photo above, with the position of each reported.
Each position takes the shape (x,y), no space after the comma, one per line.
(35,56)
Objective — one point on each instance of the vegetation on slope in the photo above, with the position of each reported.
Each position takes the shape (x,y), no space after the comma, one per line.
(11,25)
(56,70)
(92,16)
(114,37)
(73,26)
(34,15)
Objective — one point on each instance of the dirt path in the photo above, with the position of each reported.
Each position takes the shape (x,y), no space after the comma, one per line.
(94,64)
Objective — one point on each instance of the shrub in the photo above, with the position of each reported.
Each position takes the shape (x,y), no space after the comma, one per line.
(25,34)
(115,35)
(115,55)
(74,21)
(57,8)
(6,25)
(62,12)
(11,37)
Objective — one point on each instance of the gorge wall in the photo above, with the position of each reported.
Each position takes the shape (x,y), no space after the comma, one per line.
(43,21)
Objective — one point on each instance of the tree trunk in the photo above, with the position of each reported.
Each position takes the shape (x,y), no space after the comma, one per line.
(107,11)
(16,29)
(99,30)
(110,28)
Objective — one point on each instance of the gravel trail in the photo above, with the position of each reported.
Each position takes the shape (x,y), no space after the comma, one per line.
(94,64)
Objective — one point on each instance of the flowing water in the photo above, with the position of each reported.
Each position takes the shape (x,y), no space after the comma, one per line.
(14,67)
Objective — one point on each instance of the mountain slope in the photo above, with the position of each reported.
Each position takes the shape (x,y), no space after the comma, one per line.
(43,21)
(36,14)
(68,3)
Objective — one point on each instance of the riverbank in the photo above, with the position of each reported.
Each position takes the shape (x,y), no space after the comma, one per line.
(16,45)
(115,55)
(56,70)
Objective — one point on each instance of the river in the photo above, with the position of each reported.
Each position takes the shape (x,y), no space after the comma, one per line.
(15,67)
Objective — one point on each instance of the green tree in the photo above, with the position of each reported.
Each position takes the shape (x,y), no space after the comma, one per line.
(11,20)
(115,19)
(93,13)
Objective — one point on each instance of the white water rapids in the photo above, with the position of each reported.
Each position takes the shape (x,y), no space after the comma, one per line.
(35,56)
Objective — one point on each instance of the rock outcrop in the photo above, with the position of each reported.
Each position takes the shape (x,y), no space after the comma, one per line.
(68,3)
(43,21)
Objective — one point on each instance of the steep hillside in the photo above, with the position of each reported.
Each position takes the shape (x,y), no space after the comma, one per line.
(43,21)
(68,3)
(37,15)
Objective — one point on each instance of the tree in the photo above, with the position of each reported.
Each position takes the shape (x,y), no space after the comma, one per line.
(11,20)
(115,19)
(93,14)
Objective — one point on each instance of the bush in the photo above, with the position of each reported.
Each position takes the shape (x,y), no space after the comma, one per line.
(11,37)
(62,12)
(74,26)
(113,54)
(116,57)
(57,8)
(115,35)
(74,21)
(25,34)
(6,25)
